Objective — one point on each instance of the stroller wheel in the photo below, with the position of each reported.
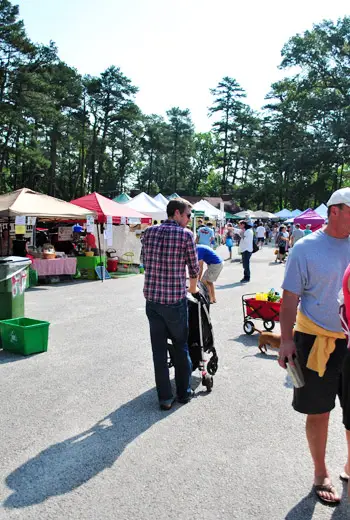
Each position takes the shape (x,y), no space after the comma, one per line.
(248,327)
(212,365)
(269,325)
(208,381)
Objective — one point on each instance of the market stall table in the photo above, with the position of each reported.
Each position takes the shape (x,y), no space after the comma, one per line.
(55,266)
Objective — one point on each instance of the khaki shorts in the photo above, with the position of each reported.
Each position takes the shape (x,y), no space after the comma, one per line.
(212,272)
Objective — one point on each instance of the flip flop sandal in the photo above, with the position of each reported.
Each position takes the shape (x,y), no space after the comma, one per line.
(344,476)
(330,489)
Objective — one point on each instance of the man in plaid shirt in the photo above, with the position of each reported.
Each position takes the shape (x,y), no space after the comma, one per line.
(166,250)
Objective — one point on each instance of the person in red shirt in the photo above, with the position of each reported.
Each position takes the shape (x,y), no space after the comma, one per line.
(90,241)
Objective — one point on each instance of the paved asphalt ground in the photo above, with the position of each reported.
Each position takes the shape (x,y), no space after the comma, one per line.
(82,436)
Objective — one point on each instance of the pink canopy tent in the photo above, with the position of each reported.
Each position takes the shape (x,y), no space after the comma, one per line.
(309,216)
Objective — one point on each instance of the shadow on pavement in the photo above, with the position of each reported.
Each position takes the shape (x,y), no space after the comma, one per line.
(228,286)
(245,339)
(342,511)
(67,465)
(10,357)
(304,509)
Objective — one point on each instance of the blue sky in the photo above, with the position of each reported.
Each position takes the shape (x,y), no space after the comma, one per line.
(176,50)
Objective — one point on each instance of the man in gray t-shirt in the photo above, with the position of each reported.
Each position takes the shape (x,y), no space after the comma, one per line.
(314,274)
(297,234)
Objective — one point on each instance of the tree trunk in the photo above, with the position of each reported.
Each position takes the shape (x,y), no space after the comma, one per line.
(54,135)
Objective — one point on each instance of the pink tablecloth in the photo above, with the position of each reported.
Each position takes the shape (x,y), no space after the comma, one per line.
(55,266)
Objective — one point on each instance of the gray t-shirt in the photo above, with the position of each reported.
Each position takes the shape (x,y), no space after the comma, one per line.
(314,271)
(297,234)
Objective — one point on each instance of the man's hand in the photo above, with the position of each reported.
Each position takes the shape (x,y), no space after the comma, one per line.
(287,350)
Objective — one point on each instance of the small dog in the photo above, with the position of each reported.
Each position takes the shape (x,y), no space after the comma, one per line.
(271,339)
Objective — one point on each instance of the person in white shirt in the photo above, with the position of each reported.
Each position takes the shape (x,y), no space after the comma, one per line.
(260,233)
(246,248)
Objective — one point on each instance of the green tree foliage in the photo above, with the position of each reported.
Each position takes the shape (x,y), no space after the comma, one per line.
(67,135)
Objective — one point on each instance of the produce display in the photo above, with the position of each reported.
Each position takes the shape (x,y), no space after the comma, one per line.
(271,296)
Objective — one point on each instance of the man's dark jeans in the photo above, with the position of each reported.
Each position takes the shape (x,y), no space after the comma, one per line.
(246,264)
(170,321)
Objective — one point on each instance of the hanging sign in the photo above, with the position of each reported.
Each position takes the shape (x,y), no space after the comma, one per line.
(109,231)
(20,225)
(90,223)
(65,234)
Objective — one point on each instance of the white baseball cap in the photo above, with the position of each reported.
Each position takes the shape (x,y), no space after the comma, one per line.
(341,196)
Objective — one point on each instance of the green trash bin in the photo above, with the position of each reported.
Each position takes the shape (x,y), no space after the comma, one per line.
(25,336)
(13,279)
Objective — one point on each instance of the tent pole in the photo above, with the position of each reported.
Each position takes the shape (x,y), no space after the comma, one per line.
(8,235)
(99,246)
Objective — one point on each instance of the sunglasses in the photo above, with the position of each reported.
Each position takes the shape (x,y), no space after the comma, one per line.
(188,215)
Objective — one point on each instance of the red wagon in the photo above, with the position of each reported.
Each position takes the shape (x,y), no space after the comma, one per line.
(267,311)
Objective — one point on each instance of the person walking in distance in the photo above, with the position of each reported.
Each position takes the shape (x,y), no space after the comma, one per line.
(246,248)
(206,235)
(314,273)
(166,250)
(297,234)
(261,234)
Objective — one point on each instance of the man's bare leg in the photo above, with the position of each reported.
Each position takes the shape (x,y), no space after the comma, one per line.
(317,433)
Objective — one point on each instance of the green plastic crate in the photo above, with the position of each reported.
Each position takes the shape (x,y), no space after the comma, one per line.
(24,335)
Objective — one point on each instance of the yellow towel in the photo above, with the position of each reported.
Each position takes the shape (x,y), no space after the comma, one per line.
(324,343)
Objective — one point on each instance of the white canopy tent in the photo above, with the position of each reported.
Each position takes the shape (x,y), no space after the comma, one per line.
(161,200)
(296,212)
(148,206)
(284,213)
(209,210)
(264,214)
(322,210)
(245,214)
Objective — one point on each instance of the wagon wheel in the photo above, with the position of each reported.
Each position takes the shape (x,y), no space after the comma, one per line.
(269,325)
(248,327)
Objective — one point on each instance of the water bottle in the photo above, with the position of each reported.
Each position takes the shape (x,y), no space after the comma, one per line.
(295,373)
(141,268)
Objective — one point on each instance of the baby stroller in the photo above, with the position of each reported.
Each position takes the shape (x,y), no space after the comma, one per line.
(200,337)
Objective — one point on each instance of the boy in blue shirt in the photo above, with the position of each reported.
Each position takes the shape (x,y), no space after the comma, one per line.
(214,268)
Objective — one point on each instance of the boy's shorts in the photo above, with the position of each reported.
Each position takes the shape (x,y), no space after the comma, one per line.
(319,393)
(212,272)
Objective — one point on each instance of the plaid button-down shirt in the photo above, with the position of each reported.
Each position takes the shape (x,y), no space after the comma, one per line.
(166,250)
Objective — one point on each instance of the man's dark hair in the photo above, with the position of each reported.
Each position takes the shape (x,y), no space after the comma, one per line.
(155,222)
(340,206)
(244,223)
(210,224)
(180,204)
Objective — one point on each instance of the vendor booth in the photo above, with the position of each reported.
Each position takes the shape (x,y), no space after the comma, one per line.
(123,240)
(19,211)
(309,216)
